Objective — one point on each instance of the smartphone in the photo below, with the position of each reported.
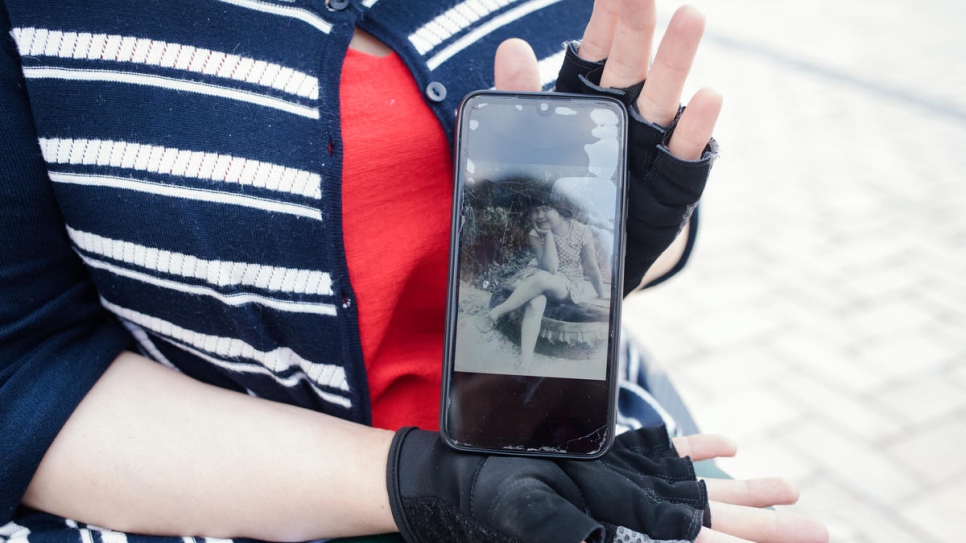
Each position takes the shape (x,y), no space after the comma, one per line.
(535,278)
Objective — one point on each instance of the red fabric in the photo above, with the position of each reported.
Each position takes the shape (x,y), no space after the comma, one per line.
(396,197)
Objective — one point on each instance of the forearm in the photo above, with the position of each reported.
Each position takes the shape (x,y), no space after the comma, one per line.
(152,451)
(668,259)
(549,260)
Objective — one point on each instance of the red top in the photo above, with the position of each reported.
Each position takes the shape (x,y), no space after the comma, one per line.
(396,198)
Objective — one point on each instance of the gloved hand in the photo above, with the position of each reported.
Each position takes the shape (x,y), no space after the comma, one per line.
(662,190)
(639,489)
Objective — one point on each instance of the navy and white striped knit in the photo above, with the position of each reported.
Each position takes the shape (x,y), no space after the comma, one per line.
(193,151)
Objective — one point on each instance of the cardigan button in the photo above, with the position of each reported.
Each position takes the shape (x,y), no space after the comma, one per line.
(337,5)
(436,91)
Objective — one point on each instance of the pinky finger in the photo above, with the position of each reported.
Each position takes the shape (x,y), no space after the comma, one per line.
(696,124)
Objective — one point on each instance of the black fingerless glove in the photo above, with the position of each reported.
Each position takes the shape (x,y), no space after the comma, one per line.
(438,494)
(662,190)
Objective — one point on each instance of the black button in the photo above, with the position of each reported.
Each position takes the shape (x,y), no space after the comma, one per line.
(436,91)
(337,5)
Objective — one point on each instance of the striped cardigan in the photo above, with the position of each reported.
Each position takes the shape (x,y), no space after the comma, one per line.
(192,148)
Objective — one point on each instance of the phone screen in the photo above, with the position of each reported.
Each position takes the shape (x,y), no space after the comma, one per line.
(535,274)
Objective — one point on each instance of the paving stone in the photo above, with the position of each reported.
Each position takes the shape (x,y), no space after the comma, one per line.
(761,456)
(940,513)
(851,518)
(837,214)
(958,374)
(904,356)
(934,452)
(737,368)
(836,408)
(858,466)
(833,363)
(745,412)
(924,399)
(740,325)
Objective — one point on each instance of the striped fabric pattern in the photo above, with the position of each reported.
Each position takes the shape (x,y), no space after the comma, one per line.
(42,42)
(182,163)
(194,151)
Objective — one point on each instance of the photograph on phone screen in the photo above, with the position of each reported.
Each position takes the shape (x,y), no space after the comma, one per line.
(537,240)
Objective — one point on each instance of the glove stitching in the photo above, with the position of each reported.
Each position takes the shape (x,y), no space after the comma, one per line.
(663,131)
(666,156)
(476,477)
(697,519)
(694,503)
(650,492)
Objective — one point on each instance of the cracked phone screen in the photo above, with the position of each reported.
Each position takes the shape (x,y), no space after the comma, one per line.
(535,289)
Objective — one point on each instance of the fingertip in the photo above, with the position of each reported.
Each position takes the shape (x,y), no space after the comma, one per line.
(789,491)
(514,44)
(515,66)
(708,98)
(690,18)
(696,125)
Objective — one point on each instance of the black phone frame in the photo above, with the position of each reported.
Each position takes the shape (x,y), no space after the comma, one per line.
(610,396)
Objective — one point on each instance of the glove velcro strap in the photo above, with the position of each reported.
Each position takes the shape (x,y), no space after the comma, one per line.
(393,485)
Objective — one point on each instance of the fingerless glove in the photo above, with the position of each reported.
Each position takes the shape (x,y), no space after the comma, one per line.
(663,190)
(640,489)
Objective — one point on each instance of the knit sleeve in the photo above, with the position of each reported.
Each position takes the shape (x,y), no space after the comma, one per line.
(55,338)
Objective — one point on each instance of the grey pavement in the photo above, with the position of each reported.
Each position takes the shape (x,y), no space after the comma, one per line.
(822,320)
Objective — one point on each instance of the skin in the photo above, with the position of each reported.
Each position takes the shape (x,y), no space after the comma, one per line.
(152,451)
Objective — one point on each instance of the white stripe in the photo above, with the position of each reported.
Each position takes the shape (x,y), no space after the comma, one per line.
(549,68)
(147,345)
(284,11)
(369,3)
(277,360)
(14,533)
(234,300)
(637,390)
(150,52)
(452,22)
(221,273)
(171,84)
(109,536)
(182,163)
(202,195)
(238,367)
(494,24)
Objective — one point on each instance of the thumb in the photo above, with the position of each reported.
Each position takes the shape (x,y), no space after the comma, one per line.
(515,67)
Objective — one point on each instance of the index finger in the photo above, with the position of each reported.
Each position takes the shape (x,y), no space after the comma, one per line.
(704,446)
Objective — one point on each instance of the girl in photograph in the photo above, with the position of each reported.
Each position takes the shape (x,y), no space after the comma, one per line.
(564,254)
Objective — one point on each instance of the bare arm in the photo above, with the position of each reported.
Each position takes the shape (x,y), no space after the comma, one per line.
(150,450)
(588,259)
(544,247)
